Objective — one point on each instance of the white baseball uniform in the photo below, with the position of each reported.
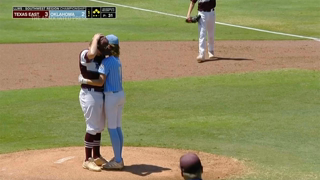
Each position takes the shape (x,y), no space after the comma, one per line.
(113,90)
(91,97)
(206,24)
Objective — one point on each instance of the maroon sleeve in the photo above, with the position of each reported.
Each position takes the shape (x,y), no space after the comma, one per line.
(194,1)
(86,57)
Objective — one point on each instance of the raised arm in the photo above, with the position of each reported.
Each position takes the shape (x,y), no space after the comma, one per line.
(94,46)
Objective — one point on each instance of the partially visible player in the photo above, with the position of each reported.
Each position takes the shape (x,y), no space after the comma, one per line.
(191,167)
(111,76)
(91,101)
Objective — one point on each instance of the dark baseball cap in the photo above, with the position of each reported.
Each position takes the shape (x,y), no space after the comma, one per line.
(190,163)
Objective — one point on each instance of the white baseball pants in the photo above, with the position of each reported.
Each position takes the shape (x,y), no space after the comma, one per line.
(92,106)
(206,24)
(113,106)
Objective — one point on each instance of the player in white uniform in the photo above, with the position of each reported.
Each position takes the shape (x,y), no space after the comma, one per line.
(206,23)
(111,76)
(92,103)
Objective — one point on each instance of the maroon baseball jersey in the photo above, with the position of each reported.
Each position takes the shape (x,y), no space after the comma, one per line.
(89,68)
(205,5)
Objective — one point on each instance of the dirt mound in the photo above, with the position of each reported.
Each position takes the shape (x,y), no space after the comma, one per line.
(56,64)
(140,163)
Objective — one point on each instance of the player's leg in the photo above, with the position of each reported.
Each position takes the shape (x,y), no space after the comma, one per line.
(119,119)
(115,140)
(202,35)
(96,146)
(111,109)
(100,123)
(211,30)
(88,143)
(120,134)
(87,103)
(98,159)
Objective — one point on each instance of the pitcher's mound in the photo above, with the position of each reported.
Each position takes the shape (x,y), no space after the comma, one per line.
(140,163)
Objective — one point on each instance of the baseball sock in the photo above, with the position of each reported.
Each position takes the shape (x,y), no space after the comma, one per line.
(96,145)
(88,142)
(115,140)
(121,139)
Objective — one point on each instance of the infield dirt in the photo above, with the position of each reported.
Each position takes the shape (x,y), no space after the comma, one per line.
(56,64)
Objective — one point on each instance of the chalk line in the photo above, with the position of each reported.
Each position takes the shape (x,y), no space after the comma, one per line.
(225,24)
(64,159)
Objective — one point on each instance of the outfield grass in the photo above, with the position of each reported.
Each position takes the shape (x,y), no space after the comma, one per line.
(267,119)
(289,16)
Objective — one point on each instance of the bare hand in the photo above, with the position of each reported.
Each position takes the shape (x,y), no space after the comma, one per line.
(97,36)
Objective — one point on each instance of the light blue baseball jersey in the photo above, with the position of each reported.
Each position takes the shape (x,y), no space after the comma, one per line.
(112,68)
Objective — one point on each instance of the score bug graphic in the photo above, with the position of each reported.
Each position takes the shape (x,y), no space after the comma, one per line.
(30,12)
(101,12)
(96,13)
(63,12)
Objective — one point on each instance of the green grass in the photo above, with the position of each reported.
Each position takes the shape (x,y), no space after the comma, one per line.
(288,16)
(267,119)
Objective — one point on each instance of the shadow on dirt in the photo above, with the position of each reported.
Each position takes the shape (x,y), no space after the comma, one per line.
(144,169)
(226,59)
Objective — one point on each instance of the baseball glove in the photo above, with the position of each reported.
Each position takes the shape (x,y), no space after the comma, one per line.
(193,19)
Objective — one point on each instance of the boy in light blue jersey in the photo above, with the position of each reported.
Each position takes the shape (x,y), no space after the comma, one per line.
(111,76)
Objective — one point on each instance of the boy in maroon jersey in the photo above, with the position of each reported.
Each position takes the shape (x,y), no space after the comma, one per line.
(191,167)
(205,24)
(91,101)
